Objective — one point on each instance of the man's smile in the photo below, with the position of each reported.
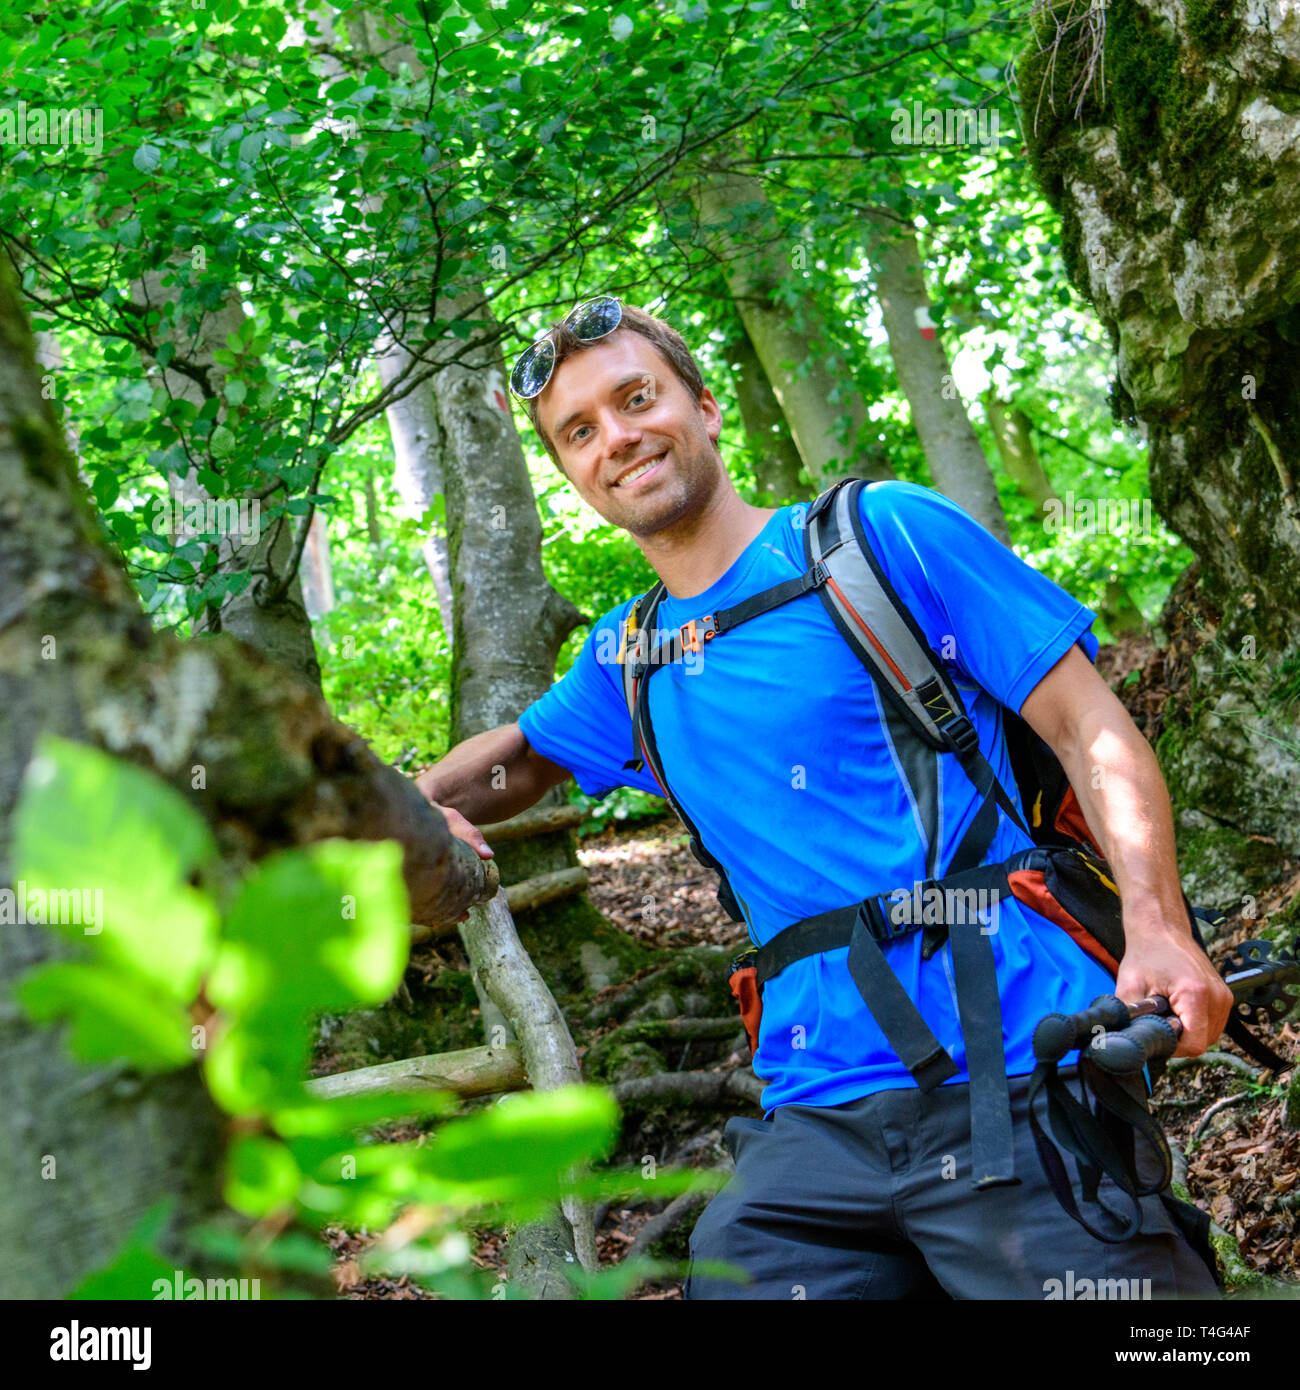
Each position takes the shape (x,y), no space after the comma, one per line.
(641,470)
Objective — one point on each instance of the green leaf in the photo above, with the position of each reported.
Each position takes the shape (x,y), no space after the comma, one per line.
(222,442)
(236,391)
(88,821)
(321,928)
(132,1273)
(113,1015)
(251,146)
(147,158)
(542,1131)
(106,487)
(324,927)
(261,1176)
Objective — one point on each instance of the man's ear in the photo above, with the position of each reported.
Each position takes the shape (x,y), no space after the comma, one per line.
(712,413)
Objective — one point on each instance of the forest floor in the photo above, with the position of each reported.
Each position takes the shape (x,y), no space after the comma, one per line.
(1243,1162)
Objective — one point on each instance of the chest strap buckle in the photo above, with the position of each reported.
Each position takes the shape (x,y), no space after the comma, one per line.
(695,633)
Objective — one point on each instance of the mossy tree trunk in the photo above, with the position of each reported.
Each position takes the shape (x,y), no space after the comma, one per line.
(83,1154)
(1178,186)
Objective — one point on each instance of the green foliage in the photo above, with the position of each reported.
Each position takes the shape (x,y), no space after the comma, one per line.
(234,170)
(319,928)
(622,806)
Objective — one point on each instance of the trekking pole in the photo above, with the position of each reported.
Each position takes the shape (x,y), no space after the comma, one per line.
(1122,1038)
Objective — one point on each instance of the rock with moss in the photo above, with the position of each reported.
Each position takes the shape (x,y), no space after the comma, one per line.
(1167,135)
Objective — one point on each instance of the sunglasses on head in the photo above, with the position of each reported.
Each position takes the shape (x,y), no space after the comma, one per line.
(588,321)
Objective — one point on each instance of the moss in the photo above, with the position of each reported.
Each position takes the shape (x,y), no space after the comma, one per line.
(1142,76)
(1045,77)
(1211,23)
(438,1015)
(1122,409)
(621,1060)
(1153,97)
(554,934)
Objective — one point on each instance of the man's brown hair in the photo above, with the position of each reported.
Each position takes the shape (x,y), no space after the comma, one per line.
(666,339)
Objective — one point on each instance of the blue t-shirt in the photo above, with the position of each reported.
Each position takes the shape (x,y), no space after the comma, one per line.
(774,741)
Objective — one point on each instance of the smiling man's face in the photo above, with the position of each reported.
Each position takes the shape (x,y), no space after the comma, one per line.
(616,405)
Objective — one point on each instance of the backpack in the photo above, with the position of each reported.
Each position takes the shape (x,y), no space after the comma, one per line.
(1064,877)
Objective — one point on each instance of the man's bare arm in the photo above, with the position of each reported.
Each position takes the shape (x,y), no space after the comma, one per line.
(490,777)
(1116,777)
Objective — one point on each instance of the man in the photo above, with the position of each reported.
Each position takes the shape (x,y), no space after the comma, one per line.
(855,1184)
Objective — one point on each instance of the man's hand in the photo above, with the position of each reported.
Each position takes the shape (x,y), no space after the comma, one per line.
(456,823)
(1167,961)
(463,830)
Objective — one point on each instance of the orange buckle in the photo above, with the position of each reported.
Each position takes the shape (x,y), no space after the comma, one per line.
(698,628)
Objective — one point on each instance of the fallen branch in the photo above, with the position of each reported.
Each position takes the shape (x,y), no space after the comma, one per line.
(538,1251)
(658,1029)
(473,1071)
(543,820)
(544,888)
(693,1087)
(1212,1112)
(680,1210)
(1215,1059)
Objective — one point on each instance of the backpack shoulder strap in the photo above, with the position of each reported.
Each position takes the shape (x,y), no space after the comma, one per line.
(889,642)
(877,624)
(634,658)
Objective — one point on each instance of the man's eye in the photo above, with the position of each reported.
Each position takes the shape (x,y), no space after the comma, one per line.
(574,435)
(640,396)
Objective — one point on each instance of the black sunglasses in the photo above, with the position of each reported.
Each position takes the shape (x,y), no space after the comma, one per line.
(590,320)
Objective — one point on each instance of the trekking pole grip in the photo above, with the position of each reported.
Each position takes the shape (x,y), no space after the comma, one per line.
(1127,1052)
(1057,1034)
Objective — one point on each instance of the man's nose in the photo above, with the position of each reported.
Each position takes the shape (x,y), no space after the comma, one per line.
(620,434)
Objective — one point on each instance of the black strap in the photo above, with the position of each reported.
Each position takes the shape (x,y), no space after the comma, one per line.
(673,648)
(899,1019)
(887,919)
(979,1008)
(1093,1146)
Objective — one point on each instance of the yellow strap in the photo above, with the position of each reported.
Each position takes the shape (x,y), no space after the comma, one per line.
(1113,888)
(629,627)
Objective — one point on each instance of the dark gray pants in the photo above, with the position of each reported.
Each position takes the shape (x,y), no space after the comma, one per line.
(873,1199)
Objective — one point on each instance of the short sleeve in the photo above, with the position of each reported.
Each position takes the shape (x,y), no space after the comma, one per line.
(582,723)
(999,620)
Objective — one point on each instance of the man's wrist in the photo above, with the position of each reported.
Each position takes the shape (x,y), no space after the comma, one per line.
(1152,918)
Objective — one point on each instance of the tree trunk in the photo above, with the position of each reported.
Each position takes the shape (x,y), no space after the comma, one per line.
(417,471)
(778,469)
(1013,435)
(1178,186)
(957,463)
(275,623)
(755,260)
(506,624)
(78,658)
(317,575)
